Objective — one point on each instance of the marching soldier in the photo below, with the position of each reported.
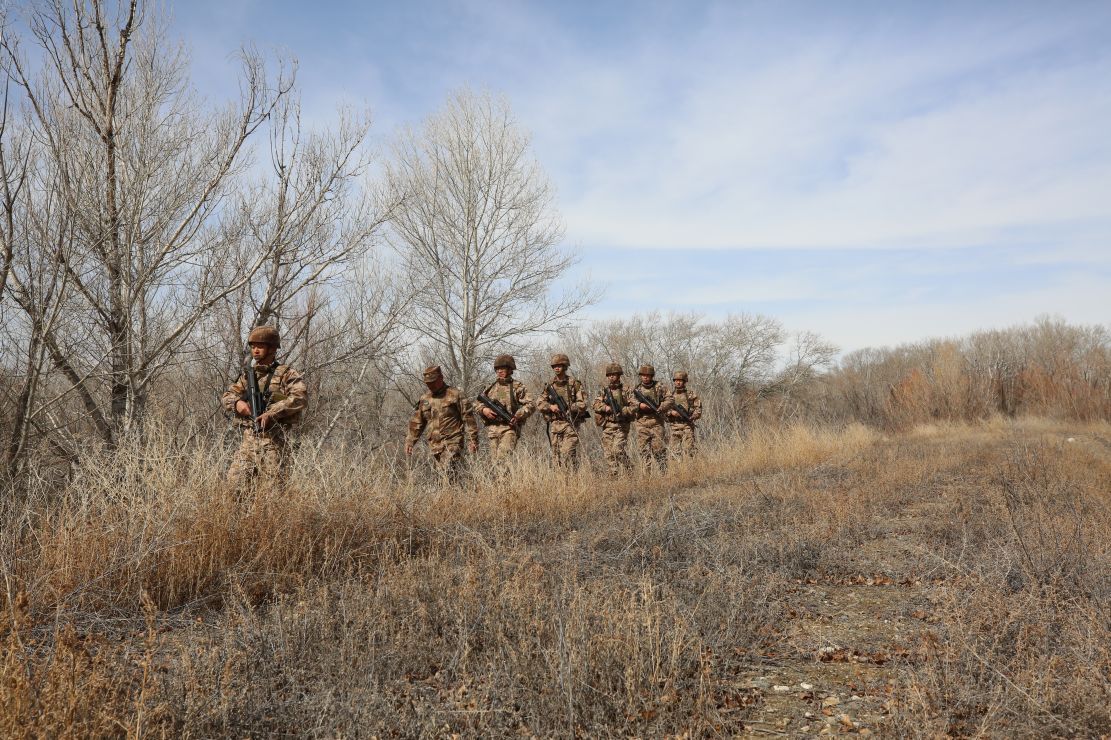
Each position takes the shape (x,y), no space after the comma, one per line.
(650,423)
(614,421)
(449,418)
(563,432)
(261,457)
(514,397)
(683,435)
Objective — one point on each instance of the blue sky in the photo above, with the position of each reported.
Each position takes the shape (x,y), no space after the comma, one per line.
(878,172)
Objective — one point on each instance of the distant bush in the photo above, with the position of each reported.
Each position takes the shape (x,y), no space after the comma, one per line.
(1050,369)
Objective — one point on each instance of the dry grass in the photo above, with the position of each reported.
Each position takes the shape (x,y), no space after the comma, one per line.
(370,600)
(1025,641)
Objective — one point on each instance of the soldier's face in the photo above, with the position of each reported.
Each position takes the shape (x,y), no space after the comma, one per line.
(503,373)
(262,353)
(613,379)
(435,385)
(560,370)
(680,384)
(645,378)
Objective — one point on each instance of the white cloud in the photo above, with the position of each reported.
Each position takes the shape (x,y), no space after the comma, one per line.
(829,144)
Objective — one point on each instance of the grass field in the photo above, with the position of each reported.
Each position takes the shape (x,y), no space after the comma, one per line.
(953,580)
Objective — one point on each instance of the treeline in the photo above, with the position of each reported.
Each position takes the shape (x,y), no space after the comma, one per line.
(1049,368)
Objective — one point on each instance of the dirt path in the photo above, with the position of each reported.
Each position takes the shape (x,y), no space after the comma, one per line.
(849,638)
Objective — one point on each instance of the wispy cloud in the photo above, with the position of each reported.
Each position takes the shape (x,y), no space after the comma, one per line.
(949,160)
(871,139)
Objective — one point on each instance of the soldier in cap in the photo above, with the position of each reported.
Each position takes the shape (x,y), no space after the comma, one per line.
(563,433)
(515,398)
(449,419)
(683,435)
(614,422)
(261,457)
(650,424)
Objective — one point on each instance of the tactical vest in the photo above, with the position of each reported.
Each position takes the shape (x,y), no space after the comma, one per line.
(653,393)
(512,404)
(272,382)
(568,391)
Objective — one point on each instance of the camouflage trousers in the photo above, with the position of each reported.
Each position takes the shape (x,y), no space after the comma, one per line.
(449,460)
(650,442)
(684,439)
(564,442)
(615,440)
(503,440)
(260,461)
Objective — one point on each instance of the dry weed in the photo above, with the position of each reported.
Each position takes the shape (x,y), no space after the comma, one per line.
(370,599)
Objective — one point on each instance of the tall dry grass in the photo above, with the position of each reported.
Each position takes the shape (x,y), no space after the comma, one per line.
(1025,642)
(369,599)
(526,600)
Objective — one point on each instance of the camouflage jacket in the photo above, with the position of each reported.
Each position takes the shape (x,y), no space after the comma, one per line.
(288,395)
(447,415)
(514,396)
(660,394)
(572,392)
(621,396)
(689,400)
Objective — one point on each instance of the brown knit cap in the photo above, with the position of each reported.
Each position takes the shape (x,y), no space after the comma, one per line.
(432,374)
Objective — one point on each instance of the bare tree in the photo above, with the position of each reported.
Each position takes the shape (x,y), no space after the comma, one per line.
(807,356)
(140,172)
(476,228)
(317,224)
(732,354)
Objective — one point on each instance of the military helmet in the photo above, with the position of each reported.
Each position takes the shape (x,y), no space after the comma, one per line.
(265,335)
(614,369)
(505,361)
(432,374)
(560,359)
(647,370)
(680,375)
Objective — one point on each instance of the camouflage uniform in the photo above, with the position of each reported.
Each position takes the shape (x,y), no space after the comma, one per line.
(449,419)
(515,397)
(650,426)
(564,435)
(684,436)
(615,427)
(261,458)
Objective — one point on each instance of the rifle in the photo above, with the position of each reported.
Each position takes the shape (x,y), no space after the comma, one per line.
(257,399)
(684,413)
(501,411)
(557,400)
(615,408)
(646,401)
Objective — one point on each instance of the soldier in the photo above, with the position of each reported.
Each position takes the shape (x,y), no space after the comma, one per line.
(563,432)
(450,422)
(515,398)
(261,457)
(683,435)
(614,421)
(650,424)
